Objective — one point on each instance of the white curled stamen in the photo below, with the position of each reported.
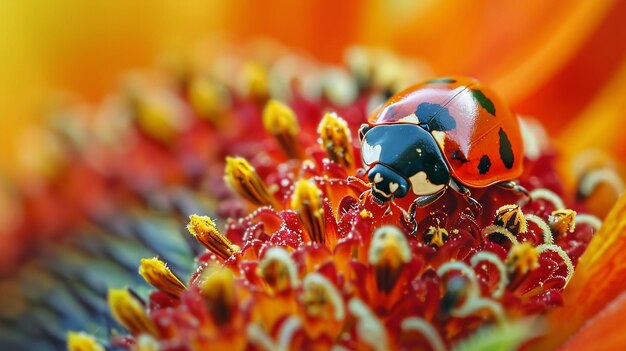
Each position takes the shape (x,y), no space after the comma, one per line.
(588,219)
(474,302)
(547,232)
(549,196)
(496,261)
(559,251)
(426,329)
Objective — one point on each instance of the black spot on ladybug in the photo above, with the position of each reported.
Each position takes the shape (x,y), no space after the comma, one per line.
(435,116)
(484,101)
(457,155)
(442,80)
(484,164)
(506,151)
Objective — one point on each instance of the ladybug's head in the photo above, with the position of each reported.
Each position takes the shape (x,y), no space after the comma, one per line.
(402,158)
(386,183)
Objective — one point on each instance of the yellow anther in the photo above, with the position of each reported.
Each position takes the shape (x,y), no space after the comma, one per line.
(280,121)
(522,258)
(365,214)
(436,236)
(157,274)
(208,99)
(130,312)
(512,218)
(563,221)
(156,119)
(335,138)
(218,290)
(388,252)
(254,81)
(77,341)
(205,231)
(307,202)
(242,178)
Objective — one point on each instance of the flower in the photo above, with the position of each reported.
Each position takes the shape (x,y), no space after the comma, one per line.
(297,253)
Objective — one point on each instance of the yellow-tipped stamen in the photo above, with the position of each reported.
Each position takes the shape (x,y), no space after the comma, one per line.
(205,231)
(157,274)
(389,251)
(307,202)
(278,269)
(130,312)
(208,99)
(562,221)
(280,121)
(77,341)
(522,258)
(254,81)
(218,290)
(336,140)
(242,178)
(511,218)
(155,118)
(436,236)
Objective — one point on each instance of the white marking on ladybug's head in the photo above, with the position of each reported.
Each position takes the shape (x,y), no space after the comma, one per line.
(370,154)
(393,186)
(412,118)
(378,178)
(421,185)
(440,137)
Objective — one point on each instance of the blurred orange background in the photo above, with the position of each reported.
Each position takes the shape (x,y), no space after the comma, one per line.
(549,59)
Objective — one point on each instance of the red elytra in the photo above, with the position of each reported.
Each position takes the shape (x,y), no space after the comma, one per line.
(483,147)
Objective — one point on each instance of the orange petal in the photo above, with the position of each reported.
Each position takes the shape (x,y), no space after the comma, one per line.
(598,280)
(600,333)
(597,127)
(574,85)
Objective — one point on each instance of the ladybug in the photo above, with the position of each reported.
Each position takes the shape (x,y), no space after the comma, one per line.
(443,133)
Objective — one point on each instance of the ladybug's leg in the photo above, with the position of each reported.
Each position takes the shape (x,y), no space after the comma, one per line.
(425,200)
(410,218)
(514,186)
(420,201)
(467,195)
